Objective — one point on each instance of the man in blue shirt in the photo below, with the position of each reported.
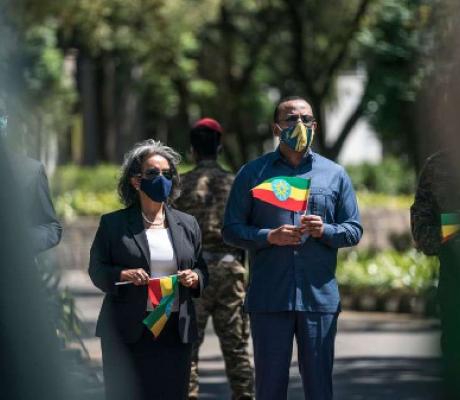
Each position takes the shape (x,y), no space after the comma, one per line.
(293,256)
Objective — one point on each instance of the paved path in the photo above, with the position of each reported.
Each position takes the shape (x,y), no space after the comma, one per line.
(378,355)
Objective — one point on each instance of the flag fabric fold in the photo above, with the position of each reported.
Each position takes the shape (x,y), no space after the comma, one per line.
(287,192)
(161,294)
(450,226)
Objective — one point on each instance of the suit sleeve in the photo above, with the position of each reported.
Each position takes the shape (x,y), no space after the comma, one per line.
(102,272)
(46,231)
(200,266)
(425,214)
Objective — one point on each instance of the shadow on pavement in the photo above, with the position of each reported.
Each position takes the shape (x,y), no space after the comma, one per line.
(356,379)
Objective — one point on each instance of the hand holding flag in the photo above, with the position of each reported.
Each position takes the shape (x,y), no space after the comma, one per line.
(188,278)
(312,225)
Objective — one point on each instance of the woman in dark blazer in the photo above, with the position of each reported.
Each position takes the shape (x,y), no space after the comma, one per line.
(146,239)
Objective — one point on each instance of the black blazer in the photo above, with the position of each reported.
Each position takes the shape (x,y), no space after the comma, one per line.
(121,243)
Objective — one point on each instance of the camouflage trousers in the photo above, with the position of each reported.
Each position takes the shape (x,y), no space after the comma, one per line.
(223,301)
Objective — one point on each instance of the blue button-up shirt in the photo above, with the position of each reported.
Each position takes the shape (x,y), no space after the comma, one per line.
(300,277)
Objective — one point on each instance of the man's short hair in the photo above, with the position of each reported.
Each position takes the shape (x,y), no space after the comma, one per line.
(205,141)
(285,100)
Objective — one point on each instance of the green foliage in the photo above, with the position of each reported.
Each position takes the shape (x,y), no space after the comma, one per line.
(372,200)
(392,176)
(393,46)
(79,203)
(174,61)
(37,89)
(99,179)
(389,270)
(85,190)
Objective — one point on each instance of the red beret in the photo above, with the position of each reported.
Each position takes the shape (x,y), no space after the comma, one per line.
(208,123)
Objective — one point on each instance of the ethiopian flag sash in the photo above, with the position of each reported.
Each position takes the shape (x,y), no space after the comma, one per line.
(288,192)
(161,294)
(450,226)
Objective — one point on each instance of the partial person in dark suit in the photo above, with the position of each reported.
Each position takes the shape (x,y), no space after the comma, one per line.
(30,363)
(42,226)
(147,239)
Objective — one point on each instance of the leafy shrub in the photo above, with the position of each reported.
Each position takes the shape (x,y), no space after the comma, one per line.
(102,178)
(388,270)
(370,199)
(392,176)
(79,203)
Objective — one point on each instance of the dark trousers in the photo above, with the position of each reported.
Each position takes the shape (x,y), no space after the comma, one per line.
(449,304)
(148,369)
(273,335)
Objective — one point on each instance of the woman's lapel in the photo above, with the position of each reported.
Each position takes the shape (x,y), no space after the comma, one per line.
(177,233)
(136,226)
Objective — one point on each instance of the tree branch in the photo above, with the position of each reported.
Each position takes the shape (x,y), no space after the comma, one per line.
(337,61)
(299,45)
(267,15)
(335,149)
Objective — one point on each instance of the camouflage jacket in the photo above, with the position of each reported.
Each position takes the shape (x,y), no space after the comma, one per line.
(438,192)
(204,194)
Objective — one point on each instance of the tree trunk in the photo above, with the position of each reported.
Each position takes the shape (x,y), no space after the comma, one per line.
(109,111)
(88,95)
(129,112)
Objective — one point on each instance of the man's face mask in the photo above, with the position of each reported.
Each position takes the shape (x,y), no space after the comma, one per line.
(299,134)
(3,125)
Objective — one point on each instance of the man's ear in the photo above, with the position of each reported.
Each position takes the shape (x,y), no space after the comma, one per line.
(275,129)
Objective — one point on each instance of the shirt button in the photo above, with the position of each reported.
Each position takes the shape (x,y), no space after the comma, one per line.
(296,252)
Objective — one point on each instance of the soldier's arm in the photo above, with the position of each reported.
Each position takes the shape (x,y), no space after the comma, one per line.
(425,214)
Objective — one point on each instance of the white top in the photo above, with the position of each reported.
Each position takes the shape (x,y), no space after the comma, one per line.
(162,258)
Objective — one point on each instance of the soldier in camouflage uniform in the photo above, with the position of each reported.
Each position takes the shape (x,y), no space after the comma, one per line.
(204,194)
(438,192)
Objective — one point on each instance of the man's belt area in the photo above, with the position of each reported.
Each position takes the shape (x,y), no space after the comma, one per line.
(226,256)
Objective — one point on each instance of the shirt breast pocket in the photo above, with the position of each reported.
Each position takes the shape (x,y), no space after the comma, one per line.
(321,203)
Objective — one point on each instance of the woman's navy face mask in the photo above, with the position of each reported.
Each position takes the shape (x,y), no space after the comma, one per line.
(157,188)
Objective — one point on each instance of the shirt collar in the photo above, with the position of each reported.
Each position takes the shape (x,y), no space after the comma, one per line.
(277,156)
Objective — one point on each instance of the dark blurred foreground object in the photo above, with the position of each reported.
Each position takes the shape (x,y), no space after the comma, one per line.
(30,366)
(438,193)
(43,228)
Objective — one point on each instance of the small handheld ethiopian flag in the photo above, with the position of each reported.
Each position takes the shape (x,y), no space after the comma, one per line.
(287,192)
(161,294)
(450,226)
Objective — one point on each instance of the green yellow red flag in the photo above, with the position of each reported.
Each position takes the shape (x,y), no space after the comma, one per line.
(287,192)
(450,226)
(161,294)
